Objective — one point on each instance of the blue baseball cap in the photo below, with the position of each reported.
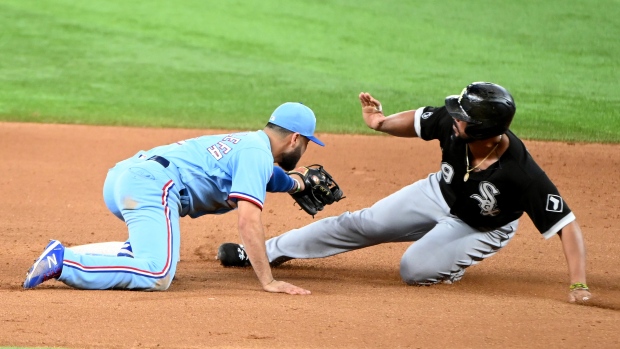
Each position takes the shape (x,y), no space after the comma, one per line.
(296,117)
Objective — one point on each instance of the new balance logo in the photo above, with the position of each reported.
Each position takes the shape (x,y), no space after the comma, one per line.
(51,259)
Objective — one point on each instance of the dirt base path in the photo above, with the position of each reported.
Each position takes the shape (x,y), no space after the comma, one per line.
(51,181)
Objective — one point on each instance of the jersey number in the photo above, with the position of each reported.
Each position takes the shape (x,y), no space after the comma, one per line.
(447,172)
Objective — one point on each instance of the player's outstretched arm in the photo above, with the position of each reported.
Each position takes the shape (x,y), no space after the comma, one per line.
(575,252)
(282,182)
(399,124)
(253,238)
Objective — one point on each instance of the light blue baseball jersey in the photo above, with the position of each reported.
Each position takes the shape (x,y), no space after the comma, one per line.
(217,168)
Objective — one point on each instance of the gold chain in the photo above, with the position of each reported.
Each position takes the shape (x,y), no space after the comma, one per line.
(481,162)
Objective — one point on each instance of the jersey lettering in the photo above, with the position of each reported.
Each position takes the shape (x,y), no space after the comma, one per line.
(220,148)
(486,199)
(231,139)
(447,171)
(215,152)
(225,148)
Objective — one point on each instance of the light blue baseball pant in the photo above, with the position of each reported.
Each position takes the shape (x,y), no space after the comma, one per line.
(145,195)
(444,245)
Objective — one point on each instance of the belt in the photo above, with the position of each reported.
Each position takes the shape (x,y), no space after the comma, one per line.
(165,163)
(161,160)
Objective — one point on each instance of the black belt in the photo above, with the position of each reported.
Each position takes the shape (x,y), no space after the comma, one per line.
(165,163)
(162,161)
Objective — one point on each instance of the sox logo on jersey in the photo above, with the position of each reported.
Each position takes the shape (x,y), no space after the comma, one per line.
(486,199)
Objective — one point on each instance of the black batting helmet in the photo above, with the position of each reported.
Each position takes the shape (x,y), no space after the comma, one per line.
(487,108)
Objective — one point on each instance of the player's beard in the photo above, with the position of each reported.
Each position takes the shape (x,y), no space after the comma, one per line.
(290,160)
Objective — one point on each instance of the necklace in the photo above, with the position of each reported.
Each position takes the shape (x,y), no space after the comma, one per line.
(481,162)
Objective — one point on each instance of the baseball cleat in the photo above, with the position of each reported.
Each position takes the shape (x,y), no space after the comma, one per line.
(47,266)
(454,277)
(232,255)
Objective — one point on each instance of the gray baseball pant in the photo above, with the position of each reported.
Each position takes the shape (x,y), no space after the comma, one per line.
(444,244)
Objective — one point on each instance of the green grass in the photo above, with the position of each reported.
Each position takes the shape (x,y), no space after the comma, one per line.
(228,64)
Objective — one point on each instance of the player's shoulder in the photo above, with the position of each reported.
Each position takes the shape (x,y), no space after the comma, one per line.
(254,140)
(522,162)
(433,123)
(430,112)
(238,144)
(251,147)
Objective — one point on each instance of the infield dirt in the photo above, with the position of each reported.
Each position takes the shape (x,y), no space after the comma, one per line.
(51,181)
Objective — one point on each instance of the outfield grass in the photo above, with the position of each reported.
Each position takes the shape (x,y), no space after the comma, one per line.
(228,64)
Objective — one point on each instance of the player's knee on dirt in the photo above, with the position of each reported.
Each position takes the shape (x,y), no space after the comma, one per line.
(163,283)
(421,269)
(413,275)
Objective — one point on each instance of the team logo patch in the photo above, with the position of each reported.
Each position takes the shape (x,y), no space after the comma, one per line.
(426,115)
(555,203)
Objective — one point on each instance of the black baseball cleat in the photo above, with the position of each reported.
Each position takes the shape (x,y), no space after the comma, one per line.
(232,255)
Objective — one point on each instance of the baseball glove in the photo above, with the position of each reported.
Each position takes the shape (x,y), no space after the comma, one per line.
(320,189)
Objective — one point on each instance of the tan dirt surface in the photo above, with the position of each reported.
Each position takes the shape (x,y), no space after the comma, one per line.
(51,184)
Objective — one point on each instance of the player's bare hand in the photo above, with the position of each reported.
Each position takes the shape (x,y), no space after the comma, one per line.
(579,296)
(284,287)
(371,111)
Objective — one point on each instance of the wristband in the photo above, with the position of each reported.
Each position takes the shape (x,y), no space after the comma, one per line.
(579,286)
(297,187)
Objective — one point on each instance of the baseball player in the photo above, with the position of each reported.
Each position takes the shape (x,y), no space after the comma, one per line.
(460,215)
(211,174)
